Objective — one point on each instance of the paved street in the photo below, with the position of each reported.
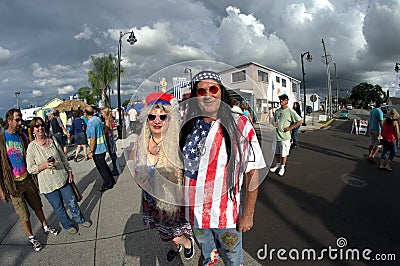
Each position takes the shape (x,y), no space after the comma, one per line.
(329,191)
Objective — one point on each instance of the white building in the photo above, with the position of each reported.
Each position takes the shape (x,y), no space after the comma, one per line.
(260,86)
(29,113)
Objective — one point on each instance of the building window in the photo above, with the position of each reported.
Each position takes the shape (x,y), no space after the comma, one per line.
(239,76)
(278,79)
(262,76)
(284,83)
(294,87)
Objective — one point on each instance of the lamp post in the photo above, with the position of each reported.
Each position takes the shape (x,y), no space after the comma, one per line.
(188,70)
(131,40)
(396,67)
(309,59)
(16,96)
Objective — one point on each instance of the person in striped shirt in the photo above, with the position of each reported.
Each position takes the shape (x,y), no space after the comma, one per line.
(219,148)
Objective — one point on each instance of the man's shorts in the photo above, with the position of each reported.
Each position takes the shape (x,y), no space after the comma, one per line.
(27,192)
(283,148)
(374,138)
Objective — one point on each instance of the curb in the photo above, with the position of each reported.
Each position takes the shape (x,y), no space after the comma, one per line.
(327,123)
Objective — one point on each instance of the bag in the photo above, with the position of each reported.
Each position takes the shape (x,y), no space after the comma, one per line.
(77,194)
(381,142)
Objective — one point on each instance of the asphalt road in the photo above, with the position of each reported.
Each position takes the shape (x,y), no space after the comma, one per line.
(331,197)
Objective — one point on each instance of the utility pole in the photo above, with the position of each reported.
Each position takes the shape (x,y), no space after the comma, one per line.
(337,89)
(327,59)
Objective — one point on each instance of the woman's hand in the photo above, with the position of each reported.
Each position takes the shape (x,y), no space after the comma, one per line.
(70,177)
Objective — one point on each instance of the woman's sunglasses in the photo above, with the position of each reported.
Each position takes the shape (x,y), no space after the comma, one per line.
(40,125)
(152,117)
(202,91)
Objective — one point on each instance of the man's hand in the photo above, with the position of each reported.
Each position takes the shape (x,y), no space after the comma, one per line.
(245,223)
(90,155)
(3,196)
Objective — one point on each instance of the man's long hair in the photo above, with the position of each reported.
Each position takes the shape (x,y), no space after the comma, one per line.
(230,132)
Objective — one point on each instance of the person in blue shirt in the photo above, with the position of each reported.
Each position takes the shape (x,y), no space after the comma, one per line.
(375,126)
(98,148)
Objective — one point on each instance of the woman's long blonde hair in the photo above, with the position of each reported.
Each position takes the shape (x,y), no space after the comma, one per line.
(167,183)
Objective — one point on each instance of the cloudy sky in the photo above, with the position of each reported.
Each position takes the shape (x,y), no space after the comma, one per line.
(46,46)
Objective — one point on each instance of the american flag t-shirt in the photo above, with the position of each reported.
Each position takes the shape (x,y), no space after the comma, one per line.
(207,201)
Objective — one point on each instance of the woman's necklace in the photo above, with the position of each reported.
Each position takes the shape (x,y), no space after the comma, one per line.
(43,142)
(155,150)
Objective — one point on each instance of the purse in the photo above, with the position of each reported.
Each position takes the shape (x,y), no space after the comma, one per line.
(75,189)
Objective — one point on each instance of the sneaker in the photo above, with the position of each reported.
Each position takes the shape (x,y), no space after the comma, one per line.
(387,168)
(281,171)
(273,169)
(171,255)
(72,231)
(35,244)
(189,252)
(51,231)
(87,224)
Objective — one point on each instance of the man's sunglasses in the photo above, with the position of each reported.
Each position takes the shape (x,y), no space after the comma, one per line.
(202,91)
(18,120)
(152,117)
(40,125)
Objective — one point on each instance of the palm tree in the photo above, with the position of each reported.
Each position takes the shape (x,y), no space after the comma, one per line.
(104,72)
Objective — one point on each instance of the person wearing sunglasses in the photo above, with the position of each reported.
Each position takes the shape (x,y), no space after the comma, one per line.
(16,184)
(158,171)
(46,159)
(219,147)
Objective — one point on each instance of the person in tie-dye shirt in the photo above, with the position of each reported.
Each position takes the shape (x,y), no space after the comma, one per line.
(15,182)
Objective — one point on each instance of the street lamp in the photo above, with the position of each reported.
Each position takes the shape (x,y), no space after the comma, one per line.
(396,67)
(16,96)
(188,70)
(131,40)
(309,59)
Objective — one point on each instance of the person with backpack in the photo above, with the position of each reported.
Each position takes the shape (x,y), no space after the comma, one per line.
(59,131)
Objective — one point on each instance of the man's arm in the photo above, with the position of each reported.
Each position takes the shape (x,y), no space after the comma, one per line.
(245,221)
(92,145)
(3,195)
(289,128)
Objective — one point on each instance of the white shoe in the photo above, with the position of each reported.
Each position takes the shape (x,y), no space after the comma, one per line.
(281,171)
(273,169)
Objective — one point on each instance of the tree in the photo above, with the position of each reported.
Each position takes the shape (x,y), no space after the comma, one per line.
(104,72)
(86,93)
(125,103)
(365,93)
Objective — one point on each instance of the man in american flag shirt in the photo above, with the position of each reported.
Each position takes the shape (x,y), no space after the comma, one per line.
(219,148)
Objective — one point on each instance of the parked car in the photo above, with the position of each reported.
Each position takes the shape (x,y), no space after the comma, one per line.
(344,114)
(349,107)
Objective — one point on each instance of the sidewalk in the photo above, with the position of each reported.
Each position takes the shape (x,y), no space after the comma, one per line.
(117,236)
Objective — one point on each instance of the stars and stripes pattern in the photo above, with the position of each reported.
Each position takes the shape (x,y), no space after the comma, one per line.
(177,88)
(206,197)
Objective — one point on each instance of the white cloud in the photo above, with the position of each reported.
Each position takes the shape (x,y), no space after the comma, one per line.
(66,90)
(5,55)
(85,34)
(242,39)
(37,93)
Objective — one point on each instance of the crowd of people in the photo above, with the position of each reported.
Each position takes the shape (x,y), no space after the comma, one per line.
(198,166)
(384,135)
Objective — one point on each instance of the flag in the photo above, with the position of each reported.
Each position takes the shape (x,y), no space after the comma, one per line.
(178,84)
